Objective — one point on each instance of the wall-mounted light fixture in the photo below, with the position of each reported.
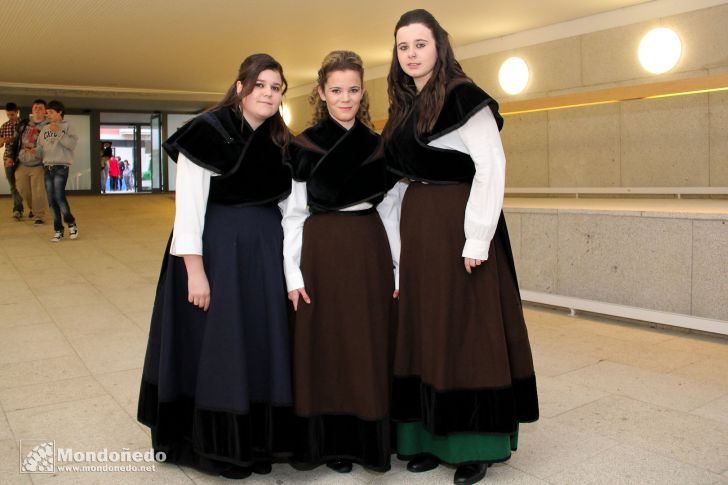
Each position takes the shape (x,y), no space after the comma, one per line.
(286,114)
(660,50)
(513,75)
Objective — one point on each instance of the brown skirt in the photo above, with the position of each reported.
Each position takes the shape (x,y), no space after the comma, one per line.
(462,358)
(342,341)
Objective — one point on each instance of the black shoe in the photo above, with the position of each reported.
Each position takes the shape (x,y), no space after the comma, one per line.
(262,467)
(423,463)
(236,473)
(38,222)
(469,474)
(30,215)
(340,466)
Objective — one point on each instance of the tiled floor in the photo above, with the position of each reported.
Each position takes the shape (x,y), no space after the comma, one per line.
(620,403)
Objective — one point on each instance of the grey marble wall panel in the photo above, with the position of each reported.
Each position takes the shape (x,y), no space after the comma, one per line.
(710,269)
(664,142)
(584,147)
(719,139)
(704,38)
(539,245)
(610,56)
(513,221)
(483,70)
(635,261)
(553,66)
(525,141)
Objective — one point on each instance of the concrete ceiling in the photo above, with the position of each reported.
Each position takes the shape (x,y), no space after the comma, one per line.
(182,54)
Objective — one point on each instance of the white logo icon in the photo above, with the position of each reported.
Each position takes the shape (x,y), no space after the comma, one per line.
(40,459)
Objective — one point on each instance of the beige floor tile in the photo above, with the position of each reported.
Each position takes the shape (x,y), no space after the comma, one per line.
(701,344)
(712,371)
(142,319)
(557,396)
(5,431)
(40,264)
(666,390)
(25,397)
(124,388)
(32,342)
(10,464)
(139,298)
(91,319)
(684,437)
(556,359)
(69,296)
(41,371)
(546,448)
(716,410)
(53,278)
(17,292)
(624,464)
(87,425)
(23,313)
(111,352)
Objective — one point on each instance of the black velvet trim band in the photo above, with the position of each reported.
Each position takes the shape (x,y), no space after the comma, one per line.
(326,438)
(182,430)
(465,411)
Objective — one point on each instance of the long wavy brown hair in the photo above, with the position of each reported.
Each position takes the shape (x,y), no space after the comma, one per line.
(248,73)
(339,61)
(401,87)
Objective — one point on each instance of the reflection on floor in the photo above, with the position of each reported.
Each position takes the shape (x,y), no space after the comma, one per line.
(620,403)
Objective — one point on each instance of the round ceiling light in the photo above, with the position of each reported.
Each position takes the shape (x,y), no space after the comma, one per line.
(513,75)
(660,50)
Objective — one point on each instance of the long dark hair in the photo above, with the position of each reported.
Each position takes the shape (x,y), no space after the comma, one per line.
(339,61)
(248,73)
(401,87)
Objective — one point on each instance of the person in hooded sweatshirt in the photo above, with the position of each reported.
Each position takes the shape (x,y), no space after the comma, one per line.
(58,140)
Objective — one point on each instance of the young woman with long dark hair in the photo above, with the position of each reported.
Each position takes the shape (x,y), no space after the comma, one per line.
(216,387)
(339,270)
(463,372)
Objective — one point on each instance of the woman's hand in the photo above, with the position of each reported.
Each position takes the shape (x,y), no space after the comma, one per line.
(198,288)
(471,264)
(395,295)
(296,294)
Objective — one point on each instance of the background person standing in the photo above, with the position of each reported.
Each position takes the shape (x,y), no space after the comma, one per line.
(57,141)
(8,131)
(28,160)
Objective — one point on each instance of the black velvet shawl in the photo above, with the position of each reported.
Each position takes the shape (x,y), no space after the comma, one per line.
(340,167)
(247,163)
(408,154)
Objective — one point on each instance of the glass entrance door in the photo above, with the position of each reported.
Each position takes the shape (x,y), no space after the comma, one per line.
(127,163)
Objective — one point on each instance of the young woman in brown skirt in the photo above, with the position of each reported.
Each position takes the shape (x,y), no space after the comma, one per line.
(339,272)
(463,372)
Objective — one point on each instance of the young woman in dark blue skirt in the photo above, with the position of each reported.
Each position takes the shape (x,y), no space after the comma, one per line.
(216,387)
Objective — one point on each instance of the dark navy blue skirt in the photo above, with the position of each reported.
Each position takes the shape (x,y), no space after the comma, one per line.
(216,386)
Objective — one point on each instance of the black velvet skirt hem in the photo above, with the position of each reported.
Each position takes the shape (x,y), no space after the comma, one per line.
(214,440)
(465,410)
(325,438)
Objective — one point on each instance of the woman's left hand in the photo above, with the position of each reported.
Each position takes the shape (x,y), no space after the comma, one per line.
(471,264)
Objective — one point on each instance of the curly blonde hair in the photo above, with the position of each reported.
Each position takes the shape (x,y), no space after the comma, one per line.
(339,61)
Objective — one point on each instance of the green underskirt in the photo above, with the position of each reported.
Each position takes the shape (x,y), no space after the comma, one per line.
(414,439)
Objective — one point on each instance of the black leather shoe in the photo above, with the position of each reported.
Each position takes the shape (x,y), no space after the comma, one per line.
(469,474)
(262,468)
(340,466)
(236,473)
(423,463)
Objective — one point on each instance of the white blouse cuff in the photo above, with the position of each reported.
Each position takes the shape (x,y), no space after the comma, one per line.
(476,249)
(186,244)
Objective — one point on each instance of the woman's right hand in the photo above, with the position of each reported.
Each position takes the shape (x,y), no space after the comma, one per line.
(198,288)
(296,294)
